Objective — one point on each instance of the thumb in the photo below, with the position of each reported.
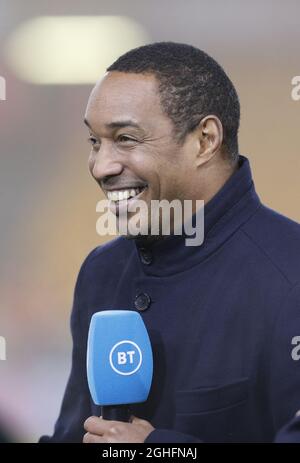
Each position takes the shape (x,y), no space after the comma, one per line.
(136,420)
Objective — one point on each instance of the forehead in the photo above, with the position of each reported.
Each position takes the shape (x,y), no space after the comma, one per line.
(122,95)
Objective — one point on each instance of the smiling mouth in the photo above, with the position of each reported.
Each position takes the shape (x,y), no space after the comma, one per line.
(117,196)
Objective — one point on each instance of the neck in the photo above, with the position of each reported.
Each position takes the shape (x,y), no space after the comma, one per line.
(213,178)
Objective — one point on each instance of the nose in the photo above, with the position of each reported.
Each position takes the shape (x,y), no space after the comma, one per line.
(104,164)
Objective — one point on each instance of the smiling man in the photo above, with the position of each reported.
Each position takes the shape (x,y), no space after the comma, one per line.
(126,120)
(221,316)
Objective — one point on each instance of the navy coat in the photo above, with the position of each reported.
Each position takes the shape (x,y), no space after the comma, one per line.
(290,433)
(223,319)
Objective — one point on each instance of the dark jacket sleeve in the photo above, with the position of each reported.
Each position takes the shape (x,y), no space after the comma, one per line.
(170,436)
(289,434)
(76,407)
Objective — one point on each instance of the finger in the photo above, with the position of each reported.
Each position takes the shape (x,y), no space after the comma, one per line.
(92,423)
(89,438)
(136,420)
(88,421)
(96,425)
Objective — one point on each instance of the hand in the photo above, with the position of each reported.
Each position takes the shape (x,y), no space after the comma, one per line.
(106,431)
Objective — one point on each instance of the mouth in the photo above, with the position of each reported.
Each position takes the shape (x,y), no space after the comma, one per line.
(125,194)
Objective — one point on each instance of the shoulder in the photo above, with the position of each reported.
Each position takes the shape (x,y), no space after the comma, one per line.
(110,249)
(277,239)
(106,257)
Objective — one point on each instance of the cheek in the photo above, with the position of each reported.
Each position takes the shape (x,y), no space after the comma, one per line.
(173,184)
(143,168)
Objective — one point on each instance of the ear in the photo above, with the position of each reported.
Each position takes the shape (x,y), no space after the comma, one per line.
(210,138)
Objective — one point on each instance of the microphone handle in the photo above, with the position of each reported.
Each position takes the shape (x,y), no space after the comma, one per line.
(116,413)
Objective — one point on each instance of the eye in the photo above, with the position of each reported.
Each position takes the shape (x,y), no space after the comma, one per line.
(93,141)
(125,139)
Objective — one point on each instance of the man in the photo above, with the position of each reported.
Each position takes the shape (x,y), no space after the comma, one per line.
(221,316)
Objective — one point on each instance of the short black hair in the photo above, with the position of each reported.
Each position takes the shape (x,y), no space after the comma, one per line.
(192,85)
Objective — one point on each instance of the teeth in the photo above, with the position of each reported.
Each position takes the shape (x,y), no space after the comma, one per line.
(119,195)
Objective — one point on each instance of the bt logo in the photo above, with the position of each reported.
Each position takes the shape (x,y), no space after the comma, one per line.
(125,357)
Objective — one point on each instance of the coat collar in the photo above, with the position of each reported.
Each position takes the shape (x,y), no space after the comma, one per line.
(230,208)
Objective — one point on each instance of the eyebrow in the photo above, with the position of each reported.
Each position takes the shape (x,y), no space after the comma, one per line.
(116,124)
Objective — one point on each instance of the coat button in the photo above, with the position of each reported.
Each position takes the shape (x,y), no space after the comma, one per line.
(146,256)
(142,302)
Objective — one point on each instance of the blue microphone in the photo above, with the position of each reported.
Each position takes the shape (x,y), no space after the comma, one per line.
(119,362)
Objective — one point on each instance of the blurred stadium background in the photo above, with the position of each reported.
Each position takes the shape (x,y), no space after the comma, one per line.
(47,198)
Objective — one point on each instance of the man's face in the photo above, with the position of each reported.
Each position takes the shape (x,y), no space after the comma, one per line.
(134,151)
